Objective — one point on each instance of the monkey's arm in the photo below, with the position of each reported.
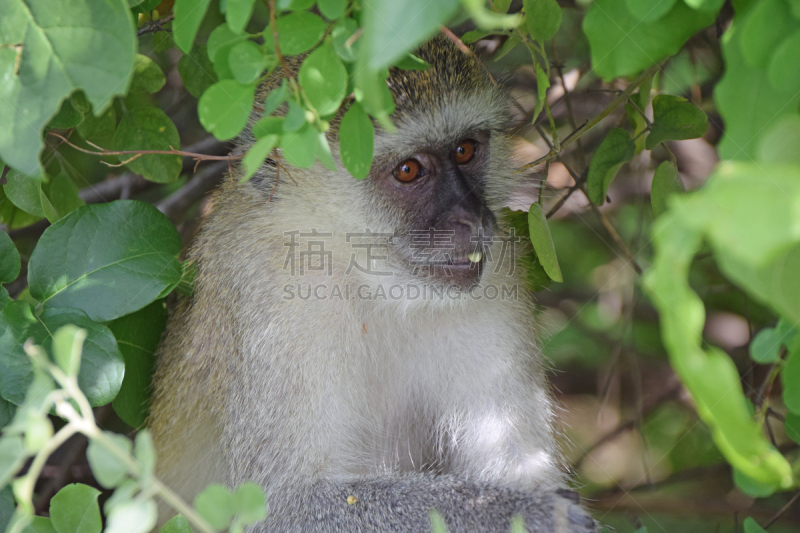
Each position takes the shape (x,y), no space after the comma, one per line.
(403,503)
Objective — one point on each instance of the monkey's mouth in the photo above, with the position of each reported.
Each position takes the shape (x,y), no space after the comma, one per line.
(474,260)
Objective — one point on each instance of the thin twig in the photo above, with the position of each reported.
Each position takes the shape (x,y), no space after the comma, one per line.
(577,134)
(782,511)
(155,26)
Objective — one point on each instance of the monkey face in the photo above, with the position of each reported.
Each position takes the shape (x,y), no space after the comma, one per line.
(436,196)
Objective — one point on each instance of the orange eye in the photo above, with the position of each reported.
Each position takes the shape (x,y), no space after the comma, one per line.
(465,151)
(407,170)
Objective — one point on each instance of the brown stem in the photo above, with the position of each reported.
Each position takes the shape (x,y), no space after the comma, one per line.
(276,40)
(103,152)
(575,135)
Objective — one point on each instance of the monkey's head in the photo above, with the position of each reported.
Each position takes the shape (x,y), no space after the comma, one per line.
(443,175)
(435,185)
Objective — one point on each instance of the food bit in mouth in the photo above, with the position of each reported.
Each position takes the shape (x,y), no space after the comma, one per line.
(475,257)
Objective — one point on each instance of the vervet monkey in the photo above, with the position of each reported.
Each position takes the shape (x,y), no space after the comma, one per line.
(302,362)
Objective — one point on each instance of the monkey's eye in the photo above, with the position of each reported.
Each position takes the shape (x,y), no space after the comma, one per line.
(407,170)
(465,151)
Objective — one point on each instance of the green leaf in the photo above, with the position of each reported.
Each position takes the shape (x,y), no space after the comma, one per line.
(67,116)
(149,128)
(100,127)
(147,75)
(356,141)
(675,119)
(392,29)
(246,60)
(475,35)
(747,88)
(486,19)
(752,487)
(764,346)
(300,147)
(790,377)
(34,196)
(74,510)
(502,5)
(341,34)
(237,13)
(781,75)
(67,348)
(11,215)
(649,10)
(25,193)
(543,18)
(778,144)
(249,503)
(622,45)
(751,526)
(774,283)
(729,194)
(102,366)
(39,524)
(108,469)
(257,154)
(188,16)
(766,25)
(7,507)
(197,71)
(298,32)
(9,259)
(615,150)
(295,117)
(412,62)
(53,61)
(138,335)
(332,9)
(134,516)
(720,401)
(543,242)
(509,45)
(7,410)
(275,98)
(62,195)
(145,451)
(705,5)
(225,107)
(12,457)
(666,181)
(215,504)
(108,260)
(373,94)
(177,524)
(268,125)
(324,79)
(792,426)
(542,84)
(38,430)
(324,152)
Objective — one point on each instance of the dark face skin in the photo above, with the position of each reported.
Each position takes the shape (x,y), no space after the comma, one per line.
(439,192)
